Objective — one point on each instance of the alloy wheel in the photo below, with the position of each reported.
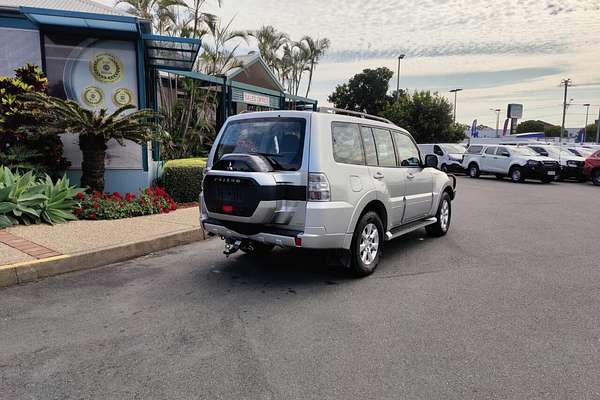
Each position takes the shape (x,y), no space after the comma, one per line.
(444,215)
(369,244)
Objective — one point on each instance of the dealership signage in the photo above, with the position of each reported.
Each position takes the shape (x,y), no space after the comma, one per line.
(257,99)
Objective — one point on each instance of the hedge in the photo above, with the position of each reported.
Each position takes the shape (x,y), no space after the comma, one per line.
(182,179)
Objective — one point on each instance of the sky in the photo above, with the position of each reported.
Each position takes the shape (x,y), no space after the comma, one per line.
(499,52)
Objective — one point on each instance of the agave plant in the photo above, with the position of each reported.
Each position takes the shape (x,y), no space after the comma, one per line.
(25,199)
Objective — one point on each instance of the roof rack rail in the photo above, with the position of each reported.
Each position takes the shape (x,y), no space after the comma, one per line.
(332,110)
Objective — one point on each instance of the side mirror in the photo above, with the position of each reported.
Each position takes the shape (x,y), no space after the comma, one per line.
(431,160)
(505,154)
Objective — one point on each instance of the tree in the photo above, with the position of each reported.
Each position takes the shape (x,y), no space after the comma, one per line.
(364,92)
(270,43)
(590,132)
(218,56)
(316,50)
(532,126)
(553,131)
(427,116)
(95,129)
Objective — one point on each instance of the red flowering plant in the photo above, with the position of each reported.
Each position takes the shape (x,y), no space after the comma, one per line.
(115,206)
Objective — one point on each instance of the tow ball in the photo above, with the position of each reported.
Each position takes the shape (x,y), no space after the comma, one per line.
(231,246)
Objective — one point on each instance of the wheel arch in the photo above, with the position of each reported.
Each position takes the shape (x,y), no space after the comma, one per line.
(369,202)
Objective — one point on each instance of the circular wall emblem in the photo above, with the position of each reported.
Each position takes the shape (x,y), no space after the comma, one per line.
(106,68)
(93,96)
(122,97)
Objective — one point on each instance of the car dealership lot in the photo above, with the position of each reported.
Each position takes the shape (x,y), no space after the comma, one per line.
(504,306)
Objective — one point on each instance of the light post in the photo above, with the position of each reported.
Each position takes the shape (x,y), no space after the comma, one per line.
(497,111)
(587,112)
(566,83)
(400,58)
(455,91)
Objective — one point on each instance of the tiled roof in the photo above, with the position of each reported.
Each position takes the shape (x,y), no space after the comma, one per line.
(66,5)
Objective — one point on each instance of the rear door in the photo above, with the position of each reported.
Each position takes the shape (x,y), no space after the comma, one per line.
(502,160)
(486,162)
(419,180)
(387,177)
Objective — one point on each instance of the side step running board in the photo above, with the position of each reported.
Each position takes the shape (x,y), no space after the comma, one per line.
(413,226)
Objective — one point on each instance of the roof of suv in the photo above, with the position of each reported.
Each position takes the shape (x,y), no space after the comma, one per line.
(321,116)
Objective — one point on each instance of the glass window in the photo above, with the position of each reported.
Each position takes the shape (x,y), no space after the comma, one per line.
(280,140)
(502,150)
(454,148)
(438,150)
(369,143)
(347,145)
(475,149)
(385,147)
(408,154)
(490,150)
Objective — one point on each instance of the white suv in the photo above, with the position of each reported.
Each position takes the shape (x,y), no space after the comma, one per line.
(321,180)
(450,155)
(518,163)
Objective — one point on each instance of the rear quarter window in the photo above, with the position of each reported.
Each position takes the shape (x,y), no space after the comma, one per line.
(475,149)
(347,143)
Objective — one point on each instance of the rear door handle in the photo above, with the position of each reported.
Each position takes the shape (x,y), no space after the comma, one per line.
(378,175)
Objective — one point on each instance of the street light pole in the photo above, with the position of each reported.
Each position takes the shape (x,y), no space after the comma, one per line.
(587,112)
(400,58)
(497,111)
(455,91)
(566,83)
(598,128)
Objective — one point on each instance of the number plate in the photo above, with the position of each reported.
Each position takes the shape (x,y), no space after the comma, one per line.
(551,173)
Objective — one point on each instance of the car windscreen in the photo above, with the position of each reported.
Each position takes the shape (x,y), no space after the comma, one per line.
(454,148)
(279,140)
(524,151)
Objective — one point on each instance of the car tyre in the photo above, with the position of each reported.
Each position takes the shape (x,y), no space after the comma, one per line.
(474,170)
(516,175)
(367,242)
(596,177)
(444,168)
(443,215)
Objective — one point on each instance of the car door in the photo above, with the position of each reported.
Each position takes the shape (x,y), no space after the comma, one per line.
(486,162)
(387,177)
(502,159)
(419,180)
(442,159)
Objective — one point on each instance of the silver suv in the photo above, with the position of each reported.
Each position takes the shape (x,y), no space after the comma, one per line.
(331,179)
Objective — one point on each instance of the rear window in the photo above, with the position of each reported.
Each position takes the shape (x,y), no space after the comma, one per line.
(280,140)
(475,149)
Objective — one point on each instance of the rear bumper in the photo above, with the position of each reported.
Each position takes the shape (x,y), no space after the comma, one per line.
(310,239)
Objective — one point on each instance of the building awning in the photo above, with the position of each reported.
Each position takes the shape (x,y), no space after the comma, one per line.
(79,20)
(171,53)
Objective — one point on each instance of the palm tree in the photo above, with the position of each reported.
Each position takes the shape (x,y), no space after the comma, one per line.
(162,13)
(316,49)
(95,129)
(270,42)
(218,56)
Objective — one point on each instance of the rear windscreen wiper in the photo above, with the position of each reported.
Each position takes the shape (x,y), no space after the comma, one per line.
(272,159)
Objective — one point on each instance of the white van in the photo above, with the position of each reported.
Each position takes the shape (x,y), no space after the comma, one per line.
(450,155)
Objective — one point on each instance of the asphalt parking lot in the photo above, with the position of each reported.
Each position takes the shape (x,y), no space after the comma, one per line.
(505,306)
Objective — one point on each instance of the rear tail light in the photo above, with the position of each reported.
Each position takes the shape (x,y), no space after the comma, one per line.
(318,187)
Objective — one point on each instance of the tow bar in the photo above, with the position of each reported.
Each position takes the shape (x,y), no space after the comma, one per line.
(231,246)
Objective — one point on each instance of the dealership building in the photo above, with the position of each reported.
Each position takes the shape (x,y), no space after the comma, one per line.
(102,57)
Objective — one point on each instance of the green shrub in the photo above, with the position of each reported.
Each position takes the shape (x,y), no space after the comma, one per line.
(183,178)
(26,199)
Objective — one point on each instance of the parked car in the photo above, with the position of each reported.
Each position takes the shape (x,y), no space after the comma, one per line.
(580,151)
(321,180)
(450,155)
(592,167)
(518,163)
(571,165)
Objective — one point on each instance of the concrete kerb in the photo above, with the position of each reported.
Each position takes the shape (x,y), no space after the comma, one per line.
(28,271)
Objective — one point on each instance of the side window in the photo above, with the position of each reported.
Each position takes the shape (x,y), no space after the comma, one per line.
(502,150)
(437,150)
(408,154)
(490,150)
(475,149)
(385,147)
(347,145)
(369,143)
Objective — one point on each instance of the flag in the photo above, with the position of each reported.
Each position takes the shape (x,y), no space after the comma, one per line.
(505,127)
